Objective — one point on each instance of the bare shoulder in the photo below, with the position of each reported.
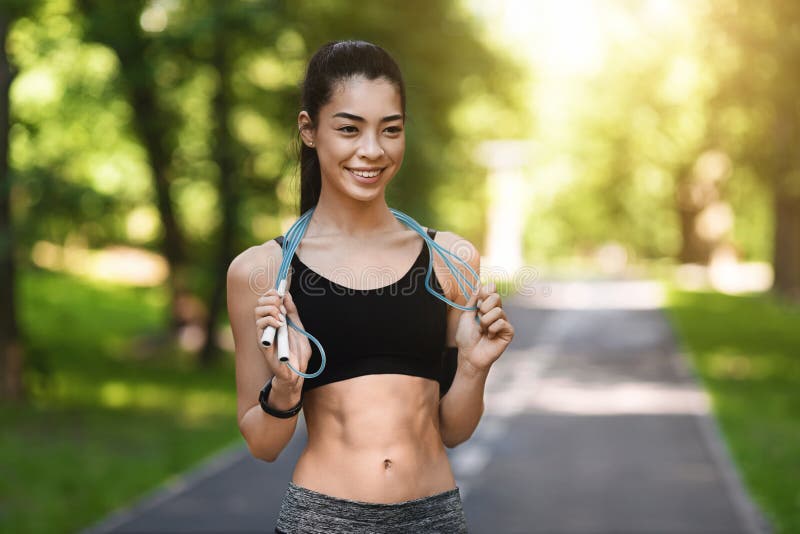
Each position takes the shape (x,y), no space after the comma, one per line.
(256,266)
(460,246)
(464,249)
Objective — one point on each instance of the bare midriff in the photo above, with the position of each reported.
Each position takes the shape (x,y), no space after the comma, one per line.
(374,438)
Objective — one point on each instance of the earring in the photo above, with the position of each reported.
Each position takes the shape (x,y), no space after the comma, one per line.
(311,144)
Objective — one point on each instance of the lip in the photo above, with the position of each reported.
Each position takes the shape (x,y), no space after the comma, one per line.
(363,180)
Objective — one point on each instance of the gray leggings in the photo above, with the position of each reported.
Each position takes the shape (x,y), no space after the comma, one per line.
(309,512)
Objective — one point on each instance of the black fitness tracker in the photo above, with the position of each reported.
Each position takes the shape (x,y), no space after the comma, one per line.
(262,400)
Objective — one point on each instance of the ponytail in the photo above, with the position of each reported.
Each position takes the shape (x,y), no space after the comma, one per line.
(310,178)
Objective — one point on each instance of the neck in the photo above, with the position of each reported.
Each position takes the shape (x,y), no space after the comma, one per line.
(343,215)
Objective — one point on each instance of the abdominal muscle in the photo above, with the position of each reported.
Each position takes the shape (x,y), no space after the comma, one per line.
(374,438)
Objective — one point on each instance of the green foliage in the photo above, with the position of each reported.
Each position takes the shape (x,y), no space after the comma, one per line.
(617,142)
(93,59)
(609,159)
(446,67)
(759,87)
(631,127)
(760,47)
(71,174)
(745,350)
(108,418)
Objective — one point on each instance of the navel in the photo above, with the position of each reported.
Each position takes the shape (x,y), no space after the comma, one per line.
(387,463)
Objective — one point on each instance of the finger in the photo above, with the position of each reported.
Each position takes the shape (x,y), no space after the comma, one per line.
(486,290)
(487,319)
(501,328)
(288,301)
(269,320)
(264,311)
(483,293)
(261,327)
(491,302)
(268,300)
(269,292)
(473,303)
(296,350)
(473,299)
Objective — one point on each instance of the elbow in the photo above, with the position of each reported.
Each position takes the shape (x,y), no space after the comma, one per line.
(453,442)
(269,458)
(262,454)
(258,450)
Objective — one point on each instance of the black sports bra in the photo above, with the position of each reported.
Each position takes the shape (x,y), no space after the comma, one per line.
(400,328)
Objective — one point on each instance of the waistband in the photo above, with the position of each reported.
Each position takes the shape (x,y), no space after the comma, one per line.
(347,509)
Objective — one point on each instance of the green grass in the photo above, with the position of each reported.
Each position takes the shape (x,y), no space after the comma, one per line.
(747,351)
(105,421)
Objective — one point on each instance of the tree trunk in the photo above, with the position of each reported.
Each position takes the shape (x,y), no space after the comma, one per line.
(786,199)
(693,248)
(225,156)
(11,350)
(786,253)
(148,122)
(691,200)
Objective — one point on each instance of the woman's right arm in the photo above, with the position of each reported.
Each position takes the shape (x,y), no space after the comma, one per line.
(266,436)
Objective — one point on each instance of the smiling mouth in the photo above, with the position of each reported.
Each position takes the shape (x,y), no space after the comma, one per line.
(368,174)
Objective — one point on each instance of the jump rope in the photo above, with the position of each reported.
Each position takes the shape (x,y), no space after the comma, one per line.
(292,240)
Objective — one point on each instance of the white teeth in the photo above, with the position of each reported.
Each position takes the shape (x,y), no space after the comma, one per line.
(365,174)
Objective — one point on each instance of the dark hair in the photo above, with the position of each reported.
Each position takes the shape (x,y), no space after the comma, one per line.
(335,62)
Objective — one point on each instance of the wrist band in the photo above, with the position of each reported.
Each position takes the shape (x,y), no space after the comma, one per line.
(262,400)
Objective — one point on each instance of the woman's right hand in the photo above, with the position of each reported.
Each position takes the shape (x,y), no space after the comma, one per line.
(270,311)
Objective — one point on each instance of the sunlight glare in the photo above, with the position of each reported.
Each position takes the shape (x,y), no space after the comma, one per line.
(560,37)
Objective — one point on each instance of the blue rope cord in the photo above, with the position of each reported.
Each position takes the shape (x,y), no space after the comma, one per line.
(296,232)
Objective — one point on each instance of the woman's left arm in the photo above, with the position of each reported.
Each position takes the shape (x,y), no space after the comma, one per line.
(479,344)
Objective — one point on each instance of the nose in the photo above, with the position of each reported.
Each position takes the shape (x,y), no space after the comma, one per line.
(370,148)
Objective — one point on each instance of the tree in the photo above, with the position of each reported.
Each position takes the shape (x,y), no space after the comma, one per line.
(445,64)
(232,29)
(759,90)
(11,346)
(117,26)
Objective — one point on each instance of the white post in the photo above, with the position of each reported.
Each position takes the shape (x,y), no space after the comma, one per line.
(508,197)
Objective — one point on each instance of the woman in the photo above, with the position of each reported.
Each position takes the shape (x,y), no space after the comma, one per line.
(405,373)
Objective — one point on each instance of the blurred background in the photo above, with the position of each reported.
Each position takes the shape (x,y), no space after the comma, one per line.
(145,143)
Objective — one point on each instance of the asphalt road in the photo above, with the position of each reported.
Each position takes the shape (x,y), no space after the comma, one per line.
(594,424)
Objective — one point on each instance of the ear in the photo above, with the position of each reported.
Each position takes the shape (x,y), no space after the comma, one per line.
(306,127)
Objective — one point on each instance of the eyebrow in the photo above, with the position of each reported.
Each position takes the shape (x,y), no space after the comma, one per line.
(352,117)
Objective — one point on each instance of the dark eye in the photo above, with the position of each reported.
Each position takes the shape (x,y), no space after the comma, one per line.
(348,129)
(394,129)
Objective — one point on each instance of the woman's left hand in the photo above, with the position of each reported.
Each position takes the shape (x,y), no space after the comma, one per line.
(482,343)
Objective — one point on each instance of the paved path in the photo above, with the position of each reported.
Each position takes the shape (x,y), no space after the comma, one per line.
(594,424)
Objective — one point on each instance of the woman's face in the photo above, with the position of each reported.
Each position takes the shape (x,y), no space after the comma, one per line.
(359,137)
